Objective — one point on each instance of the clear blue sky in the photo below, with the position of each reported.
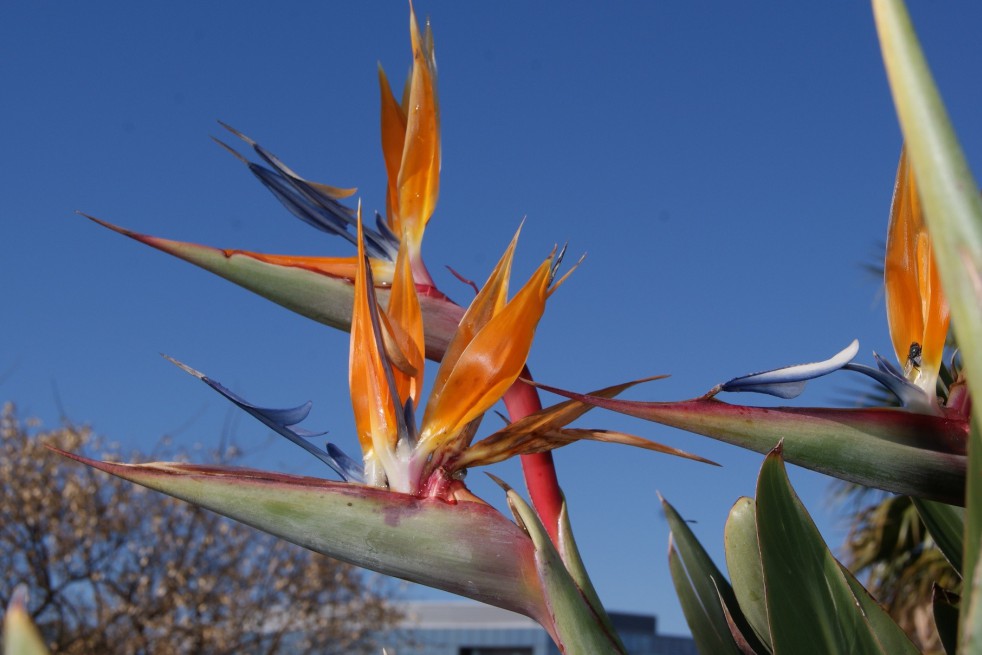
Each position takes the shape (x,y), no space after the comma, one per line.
(726,166)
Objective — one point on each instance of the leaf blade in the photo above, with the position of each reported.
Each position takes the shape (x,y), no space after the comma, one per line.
(454,547)
(810,606)
(881,447)
(706,582)
(743,564)
(576,628)
(946,524)
(319,296)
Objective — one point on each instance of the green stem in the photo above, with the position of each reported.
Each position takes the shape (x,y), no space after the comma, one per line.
(953,213)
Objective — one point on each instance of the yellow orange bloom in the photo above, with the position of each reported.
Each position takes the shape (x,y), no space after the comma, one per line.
(484,358)
(411,147)
(492,357)
(405,323)
(917,309)
(375,408)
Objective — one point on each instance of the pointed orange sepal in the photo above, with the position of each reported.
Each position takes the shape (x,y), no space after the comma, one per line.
(917,309)
(371,396)
(393,127)
(405,324)
(419,173)
(336,192)
(489,301)
(546,430)
(490,362)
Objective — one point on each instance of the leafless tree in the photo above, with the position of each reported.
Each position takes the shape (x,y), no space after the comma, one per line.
(113,568)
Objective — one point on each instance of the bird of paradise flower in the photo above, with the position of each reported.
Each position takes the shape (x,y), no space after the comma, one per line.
(405,509)
(321,288)
(919,448)
(411,478)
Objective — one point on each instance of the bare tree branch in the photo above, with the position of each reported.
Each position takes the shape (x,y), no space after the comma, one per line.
(116,568)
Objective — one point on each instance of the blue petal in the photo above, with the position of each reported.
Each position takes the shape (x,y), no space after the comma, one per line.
(326,219)
(310,204)
(386,234)
(354,471)
(886,366)
(307,434)
(345,215)
(910,395)
(789,382)
(322,212)
(290,416)
(279,420)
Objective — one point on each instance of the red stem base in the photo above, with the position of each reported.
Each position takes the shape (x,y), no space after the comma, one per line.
(539,470)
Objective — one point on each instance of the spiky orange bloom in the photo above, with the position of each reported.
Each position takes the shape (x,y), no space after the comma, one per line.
(411,145)
(917,312)
(485,357)
(917,309)
(404,327)
(376,414)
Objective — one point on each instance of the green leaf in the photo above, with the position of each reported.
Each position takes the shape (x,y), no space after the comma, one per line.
(743,565)
(947,527)
(705,631)
(696,575)
(890,635)
(884,448)
(746,573)
(810,606)
(577,570)
(946,619)
(318,296)
(970,620)
(20,635)
(576,627)
(467,548)
(948,191)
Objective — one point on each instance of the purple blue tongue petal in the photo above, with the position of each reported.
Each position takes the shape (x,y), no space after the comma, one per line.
(789,382)
(282,421)
(910,395)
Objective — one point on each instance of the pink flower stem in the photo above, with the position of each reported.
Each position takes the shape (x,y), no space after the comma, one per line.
(540,471)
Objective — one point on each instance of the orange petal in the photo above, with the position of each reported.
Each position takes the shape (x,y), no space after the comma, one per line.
(917,309)
(393,340)
(489,301)
(542,442)
(537,432)
(371,398)
(393,124)
(336,192)
(406,326)
(491,362)
(419,173)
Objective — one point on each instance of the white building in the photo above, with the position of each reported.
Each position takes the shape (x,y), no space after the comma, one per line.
(463,628)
